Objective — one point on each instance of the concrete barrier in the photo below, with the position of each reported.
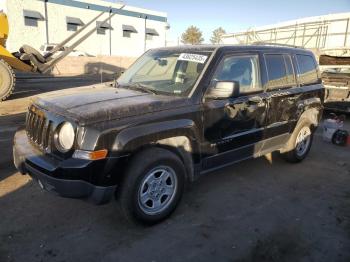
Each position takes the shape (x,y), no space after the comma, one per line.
(99,65)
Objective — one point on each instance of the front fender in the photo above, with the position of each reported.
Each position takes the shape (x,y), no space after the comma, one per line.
(179,135)
(132,138)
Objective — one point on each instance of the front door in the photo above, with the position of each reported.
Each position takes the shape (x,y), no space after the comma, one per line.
(233,127)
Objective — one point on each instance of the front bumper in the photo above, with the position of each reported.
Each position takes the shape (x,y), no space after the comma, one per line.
(63,177)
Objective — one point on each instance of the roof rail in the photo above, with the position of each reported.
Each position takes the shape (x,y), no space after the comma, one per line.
(276,44)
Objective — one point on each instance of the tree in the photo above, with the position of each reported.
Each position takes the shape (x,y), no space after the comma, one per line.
(192,36)
(217,35)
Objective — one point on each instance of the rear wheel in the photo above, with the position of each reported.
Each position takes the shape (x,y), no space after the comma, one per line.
(153,186)
(7,80)
(301,141)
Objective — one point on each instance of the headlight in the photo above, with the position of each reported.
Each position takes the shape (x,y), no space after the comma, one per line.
(65,137)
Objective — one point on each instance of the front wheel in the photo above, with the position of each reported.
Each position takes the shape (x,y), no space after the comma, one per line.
(301,140)
(152,186)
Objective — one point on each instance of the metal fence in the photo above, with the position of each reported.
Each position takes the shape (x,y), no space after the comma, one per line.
(328,33)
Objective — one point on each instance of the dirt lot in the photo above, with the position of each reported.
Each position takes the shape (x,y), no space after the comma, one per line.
(253,211)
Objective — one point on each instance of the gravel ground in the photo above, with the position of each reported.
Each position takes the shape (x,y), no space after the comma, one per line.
(256,210)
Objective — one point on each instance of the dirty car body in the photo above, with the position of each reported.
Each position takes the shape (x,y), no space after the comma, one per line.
(174,100)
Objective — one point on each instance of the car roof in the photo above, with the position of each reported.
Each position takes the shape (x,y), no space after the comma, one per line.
(227,48)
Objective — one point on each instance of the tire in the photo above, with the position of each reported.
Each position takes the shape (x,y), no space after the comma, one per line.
(152,186)
(302,132)
(340,137)
(7,80)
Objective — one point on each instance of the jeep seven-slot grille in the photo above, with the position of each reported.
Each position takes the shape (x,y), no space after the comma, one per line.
(38,128)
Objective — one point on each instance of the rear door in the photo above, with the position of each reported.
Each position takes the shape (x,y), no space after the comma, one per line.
(282,96)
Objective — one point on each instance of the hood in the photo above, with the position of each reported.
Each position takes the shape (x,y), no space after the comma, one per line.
(100,103)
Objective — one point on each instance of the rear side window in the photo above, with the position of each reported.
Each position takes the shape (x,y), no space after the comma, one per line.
(279,70)
(307,70)
(289,69)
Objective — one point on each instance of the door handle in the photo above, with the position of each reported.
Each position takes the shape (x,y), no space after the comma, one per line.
(255,99)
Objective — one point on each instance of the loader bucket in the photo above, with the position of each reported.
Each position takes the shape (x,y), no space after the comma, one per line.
(13,61)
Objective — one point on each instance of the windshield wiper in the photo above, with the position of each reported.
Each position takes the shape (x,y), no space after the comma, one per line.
(139,87)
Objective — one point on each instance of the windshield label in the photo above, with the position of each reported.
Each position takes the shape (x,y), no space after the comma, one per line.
(193,58)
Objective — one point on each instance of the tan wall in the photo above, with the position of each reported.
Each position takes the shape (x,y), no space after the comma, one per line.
(108,65)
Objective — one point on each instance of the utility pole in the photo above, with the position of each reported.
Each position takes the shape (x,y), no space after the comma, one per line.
(110,33)
(145,46)
(167,27)
(46,22)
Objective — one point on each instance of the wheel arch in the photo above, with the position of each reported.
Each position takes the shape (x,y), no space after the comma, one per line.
(177,136)
(309,108)
(311,115)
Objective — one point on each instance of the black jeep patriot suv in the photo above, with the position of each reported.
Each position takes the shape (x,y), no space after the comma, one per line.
(174,114)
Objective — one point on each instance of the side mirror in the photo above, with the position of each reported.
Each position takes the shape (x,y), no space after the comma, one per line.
(223,90)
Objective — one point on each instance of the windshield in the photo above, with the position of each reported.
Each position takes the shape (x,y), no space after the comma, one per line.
(49,47)
(167,72)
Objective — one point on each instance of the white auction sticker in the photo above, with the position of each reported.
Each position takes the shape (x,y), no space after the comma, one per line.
(193,58)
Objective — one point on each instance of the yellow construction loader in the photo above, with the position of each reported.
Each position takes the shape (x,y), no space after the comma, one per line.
(8,62)
(28,59)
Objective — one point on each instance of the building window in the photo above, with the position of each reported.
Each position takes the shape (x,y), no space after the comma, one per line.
(128,30)
(31,18)
(73,23)
(101,31)
(29,21)
(102,27)
(72,27)
(127,34)
(150,33)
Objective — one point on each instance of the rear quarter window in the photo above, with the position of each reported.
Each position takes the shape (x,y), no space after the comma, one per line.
(307,69)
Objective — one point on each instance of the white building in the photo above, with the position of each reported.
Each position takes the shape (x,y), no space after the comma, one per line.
(129,32)
(318,32)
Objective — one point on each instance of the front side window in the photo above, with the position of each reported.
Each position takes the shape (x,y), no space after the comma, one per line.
(307,69)
(242,69)
(168,72)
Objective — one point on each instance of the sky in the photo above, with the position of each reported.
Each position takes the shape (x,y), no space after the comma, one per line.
(235,15)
